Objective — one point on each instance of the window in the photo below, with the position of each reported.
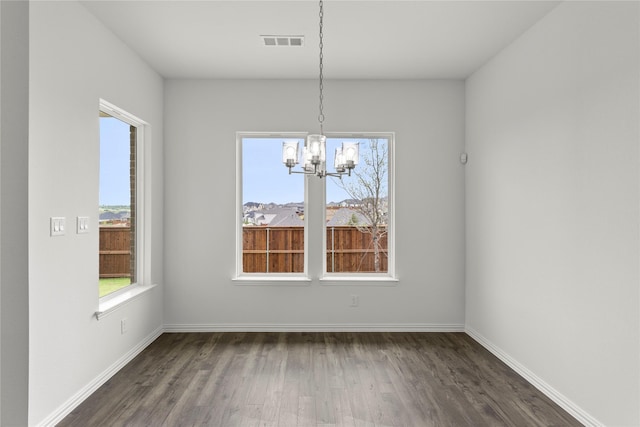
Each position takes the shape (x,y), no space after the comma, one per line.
(272,208)
(353,225)
(358,227)
(119,201)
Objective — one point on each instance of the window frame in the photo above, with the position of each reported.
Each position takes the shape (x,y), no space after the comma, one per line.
(111,301)
(383,278)
(387,278)
(240,276)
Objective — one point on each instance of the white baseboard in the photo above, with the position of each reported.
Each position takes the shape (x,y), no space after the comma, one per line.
(565,403)
(329,327)
(66,408)
(73,402)
(560,399)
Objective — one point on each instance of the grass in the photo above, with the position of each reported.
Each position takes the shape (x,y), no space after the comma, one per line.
(110,285)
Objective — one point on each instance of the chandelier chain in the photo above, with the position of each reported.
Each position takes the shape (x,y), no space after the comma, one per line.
(346,157)
(321,110)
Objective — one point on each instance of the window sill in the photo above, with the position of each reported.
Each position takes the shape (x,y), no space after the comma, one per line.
(271,280)
(110,305)
(359,280)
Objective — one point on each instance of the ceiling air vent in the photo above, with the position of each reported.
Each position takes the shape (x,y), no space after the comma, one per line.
(284,41)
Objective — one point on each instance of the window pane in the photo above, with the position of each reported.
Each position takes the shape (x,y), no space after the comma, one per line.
(357,210)
(273,209)
(117,204)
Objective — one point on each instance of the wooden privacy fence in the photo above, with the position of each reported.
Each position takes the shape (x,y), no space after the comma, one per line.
(115,252)
(281,250)
(273,249)
(351,249)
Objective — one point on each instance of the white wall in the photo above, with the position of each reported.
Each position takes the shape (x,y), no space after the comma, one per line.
(75,61)
(553,206)
(14,276)
(201,119)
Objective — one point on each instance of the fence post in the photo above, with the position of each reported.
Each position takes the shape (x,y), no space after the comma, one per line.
(333,249)
(267,257)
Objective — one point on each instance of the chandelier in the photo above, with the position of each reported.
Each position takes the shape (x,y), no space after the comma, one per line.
(314,154)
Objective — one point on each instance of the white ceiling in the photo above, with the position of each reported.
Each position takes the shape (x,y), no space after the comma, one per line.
(392,39)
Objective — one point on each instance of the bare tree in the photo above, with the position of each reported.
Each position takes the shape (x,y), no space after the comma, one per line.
(368,185)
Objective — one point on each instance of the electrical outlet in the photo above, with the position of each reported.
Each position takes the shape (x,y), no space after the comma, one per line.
(123,326)
(355,300)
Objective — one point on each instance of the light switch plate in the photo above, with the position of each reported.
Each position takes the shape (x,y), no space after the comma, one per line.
(58,226)
(82,224)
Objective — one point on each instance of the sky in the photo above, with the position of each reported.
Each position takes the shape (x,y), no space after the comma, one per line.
(266,178)
(114,162)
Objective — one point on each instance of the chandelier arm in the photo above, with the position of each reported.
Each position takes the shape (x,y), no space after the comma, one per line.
(321,173)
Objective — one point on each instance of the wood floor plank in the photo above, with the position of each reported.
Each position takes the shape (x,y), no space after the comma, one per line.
(342,408)
(276,361)
(306,411)
(317,379)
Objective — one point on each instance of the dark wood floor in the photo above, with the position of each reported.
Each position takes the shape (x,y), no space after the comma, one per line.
(317,379)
